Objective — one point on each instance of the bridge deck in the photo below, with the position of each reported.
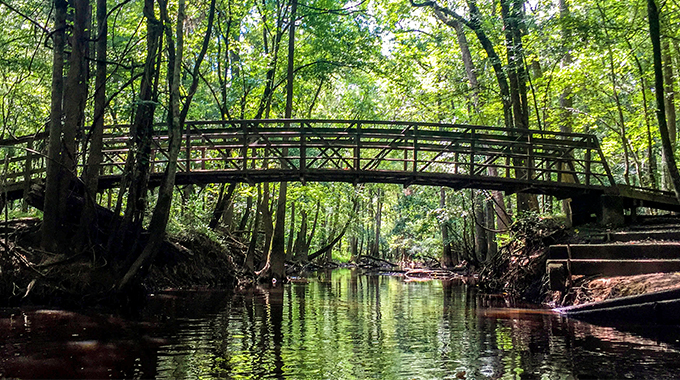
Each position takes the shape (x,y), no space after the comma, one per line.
(453,155)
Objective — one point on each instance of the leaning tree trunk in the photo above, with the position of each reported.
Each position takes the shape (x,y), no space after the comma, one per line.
(669,102)
(161,213)
(655,35)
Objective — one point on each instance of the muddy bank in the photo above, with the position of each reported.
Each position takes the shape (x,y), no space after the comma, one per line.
(29,275)
(518,269)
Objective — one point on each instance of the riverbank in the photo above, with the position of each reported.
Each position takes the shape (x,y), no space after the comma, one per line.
(30,275)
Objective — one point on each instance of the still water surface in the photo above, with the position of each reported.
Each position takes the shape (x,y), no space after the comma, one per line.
(336,325)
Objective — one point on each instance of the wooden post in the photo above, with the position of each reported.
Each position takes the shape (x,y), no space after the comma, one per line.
(530,159)
(27,173)
(415,148)
(456,160)
(587,160)
(188,147)
(357,148)
(472,152)
(244,152)
(303,150)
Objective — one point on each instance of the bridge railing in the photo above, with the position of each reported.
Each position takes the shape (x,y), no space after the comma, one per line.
(418,148)
(532,157)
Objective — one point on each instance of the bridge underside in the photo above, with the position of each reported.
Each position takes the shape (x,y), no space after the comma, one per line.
(454,181)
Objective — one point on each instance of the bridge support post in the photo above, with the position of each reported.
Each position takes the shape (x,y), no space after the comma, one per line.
(611,210)
(606,209)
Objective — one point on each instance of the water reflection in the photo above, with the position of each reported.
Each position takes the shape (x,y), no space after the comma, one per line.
(337,325)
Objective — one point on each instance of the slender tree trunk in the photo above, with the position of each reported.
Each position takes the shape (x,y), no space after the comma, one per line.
(291,233)
(246,213)
(75,97)
(142,127)
(512,14)
(655,35)
(669,89)
(51,218)
(448,261)
(88,223)
(481,245)
(161,213)
(277,254)
(300,254)
(566,103)
(492,246)
(223,202)
(267,220)
(467,63)
(375,251)
(308,242)
(669,103)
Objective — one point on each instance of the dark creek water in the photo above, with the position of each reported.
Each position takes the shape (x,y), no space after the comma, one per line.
(337,325)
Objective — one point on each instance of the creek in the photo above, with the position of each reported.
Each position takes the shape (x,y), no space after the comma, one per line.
(333,325)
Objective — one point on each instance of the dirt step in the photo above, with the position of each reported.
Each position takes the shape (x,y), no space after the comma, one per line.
(589,267)
(657,250)
(625,236)
(655,226)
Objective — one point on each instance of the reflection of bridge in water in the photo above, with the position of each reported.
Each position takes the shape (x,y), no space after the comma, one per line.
(566,165)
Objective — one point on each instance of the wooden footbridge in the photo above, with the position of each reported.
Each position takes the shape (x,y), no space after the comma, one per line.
(566,165)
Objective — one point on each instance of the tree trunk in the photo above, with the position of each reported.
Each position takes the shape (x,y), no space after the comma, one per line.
(566,103)
(300,253)
(50,229)
(223,202)
(277,254)
(481,245)
(161,213)
(512,14)
(448,261)
(291,233)
(375,251)
(137,166)
(655,35)
(75,97)
(88,225)
(669,103)
(492,246)
(249,263)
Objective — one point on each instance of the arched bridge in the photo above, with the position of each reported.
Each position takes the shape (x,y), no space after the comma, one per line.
(566,165)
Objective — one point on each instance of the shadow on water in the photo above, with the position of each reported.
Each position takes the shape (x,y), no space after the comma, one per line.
(334,325)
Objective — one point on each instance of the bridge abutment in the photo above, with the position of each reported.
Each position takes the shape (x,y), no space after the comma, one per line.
(606,209)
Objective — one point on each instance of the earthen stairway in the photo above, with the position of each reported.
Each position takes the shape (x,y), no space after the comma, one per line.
(644,248)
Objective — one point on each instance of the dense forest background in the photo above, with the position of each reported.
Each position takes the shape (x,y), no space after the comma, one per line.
(71,67)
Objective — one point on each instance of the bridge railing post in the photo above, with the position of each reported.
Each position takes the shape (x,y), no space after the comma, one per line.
(28,173)
(244,149)
(473,138)
(357,147)
(530,157)
(303,150)
(188,146)
(415,148)
(587,162)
